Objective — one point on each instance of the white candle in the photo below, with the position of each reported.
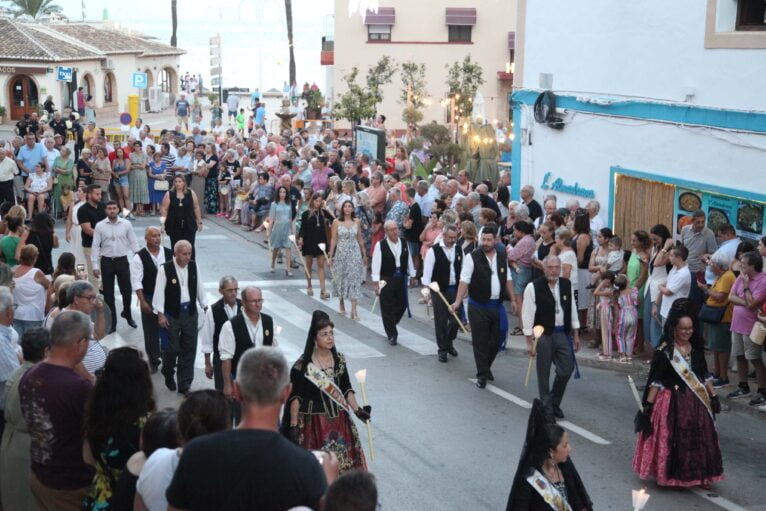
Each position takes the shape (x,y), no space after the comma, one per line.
(639,499)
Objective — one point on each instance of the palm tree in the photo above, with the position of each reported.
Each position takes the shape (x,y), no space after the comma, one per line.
(33,8)
(174,22)
(289,16)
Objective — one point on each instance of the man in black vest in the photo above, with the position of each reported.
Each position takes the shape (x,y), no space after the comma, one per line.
(250,328)
(391,262)
(549,302)
(176,295)
(484,278)
(442,265)
(143,277)
(215,317)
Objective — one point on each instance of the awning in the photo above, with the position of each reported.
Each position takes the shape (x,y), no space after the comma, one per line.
(461,16)
(384,16)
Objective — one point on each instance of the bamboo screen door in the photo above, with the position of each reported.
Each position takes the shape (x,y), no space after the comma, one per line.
(640,204)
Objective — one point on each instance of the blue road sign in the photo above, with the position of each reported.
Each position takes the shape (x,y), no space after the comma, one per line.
(139,80)
(64,74)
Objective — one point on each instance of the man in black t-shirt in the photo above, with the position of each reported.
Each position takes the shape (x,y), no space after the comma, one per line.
(254,466)
(59,126)
(89,214)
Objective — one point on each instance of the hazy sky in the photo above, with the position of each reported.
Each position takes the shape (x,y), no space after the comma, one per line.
(253,32)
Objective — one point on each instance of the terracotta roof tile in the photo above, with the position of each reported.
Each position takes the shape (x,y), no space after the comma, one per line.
(109,40)
(15,44)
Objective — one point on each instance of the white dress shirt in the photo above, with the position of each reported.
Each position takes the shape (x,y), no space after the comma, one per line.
(529,307)
(466,272)
(226,343)
(137,268)
(158,300)
(208,326)
(428,264)
(396,249)
(112,239)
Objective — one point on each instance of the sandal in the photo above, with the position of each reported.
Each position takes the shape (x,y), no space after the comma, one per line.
(517,331)
(603,357)
(310,292)
(324,295)
(355,317)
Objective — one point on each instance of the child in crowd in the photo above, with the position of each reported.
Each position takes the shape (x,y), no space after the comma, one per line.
(377,230)
(626,315)
(615,261)
(606,294)
(224,177)
(241,122)
(66,198)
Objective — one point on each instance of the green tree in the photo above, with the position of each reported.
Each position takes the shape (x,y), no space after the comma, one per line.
(413,77)
(357,103)
(33,8)
(464,78)
(289,18)
(379,75)
(174,22)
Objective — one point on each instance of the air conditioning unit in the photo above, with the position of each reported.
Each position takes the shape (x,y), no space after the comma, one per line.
(165,100)
(107,64)
(155,99)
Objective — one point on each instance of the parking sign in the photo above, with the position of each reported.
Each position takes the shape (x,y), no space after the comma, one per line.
(139,80)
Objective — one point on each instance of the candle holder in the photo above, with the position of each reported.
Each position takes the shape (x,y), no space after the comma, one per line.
(537,332)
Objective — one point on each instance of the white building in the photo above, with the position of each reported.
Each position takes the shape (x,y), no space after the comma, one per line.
(436,33)
(661,108)
(102,59)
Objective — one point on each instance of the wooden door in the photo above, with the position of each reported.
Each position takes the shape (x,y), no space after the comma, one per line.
(23,95)
(641,204)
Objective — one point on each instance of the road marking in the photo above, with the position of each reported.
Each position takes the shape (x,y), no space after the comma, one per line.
(286,311)
(717,499)
(259,283)
(564,424)
(211,237)
(407,338)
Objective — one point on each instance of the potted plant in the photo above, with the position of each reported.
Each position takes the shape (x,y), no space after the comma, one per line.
(2,114)
(314,102)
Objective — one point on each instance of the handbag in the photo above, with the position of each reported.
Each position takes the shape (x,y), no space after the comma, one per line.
(160,185)
(758,333)
(711,314)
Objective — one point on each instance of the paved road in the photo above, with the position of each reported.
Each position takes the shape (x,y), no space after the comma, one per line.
(439,441)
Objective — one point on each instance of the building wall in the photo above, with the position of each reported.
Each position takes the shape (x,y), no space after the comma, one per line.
(421,23)
(654,49)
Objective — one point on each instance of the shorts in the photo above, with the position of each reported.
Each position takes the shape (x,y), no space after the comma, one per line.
(718,337)
(123,181)
(414,247)
(233,113)
(183,119)
(741,345)
(521,278)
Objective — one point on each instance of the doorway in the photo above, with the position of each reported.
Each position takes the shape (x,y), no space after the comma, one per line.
(24,97)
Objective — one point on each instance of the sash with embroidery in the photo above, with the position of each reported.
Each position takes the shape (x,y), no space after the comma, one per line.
(681,366)
(325,384)
(548,492)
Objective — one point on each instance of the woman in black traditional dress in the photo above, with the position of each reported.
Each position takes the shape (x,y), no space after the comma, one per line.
(546,478)
(319,419)
(313,231)
(181,210)
(677,438)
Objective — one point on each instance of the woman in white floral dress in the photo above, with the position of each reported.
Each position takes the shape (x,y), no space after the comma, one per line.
(347,258)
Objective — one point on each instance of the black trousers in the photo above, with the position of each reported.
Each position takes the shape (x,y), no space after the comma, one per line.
(444,323)
(485,332)
(6,191)
(393,303)
(553,350)
(182,349)
(151,329)
(217,374)
(119,267)
(177,235)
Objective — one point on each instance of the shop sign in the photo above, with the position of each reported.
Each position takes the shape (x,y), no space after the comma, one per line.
(23,70)
(558,185)
(747,217)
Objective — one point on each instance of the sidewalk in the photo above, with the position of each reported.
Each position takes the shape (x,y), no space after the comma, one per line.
(516,344)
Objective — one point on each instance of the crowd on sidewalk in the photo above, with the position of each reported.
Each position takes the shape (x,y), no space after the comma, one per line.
(83,421)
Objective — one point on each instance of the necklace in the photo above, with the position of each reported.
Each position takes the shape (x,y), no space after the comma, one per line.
(322,364)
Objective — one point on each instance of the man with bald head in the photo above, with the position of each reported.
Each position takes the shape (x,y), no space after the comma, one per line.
(177,292)
(143,277)
(392,263)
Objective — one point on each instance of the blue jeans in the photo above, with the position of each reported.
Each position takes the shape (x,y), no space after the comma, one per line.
(652,328)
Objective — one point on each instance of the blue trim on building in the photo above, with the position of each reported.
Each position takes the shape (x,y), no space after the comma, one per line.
(681,183)
(516,153)
(679,113)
